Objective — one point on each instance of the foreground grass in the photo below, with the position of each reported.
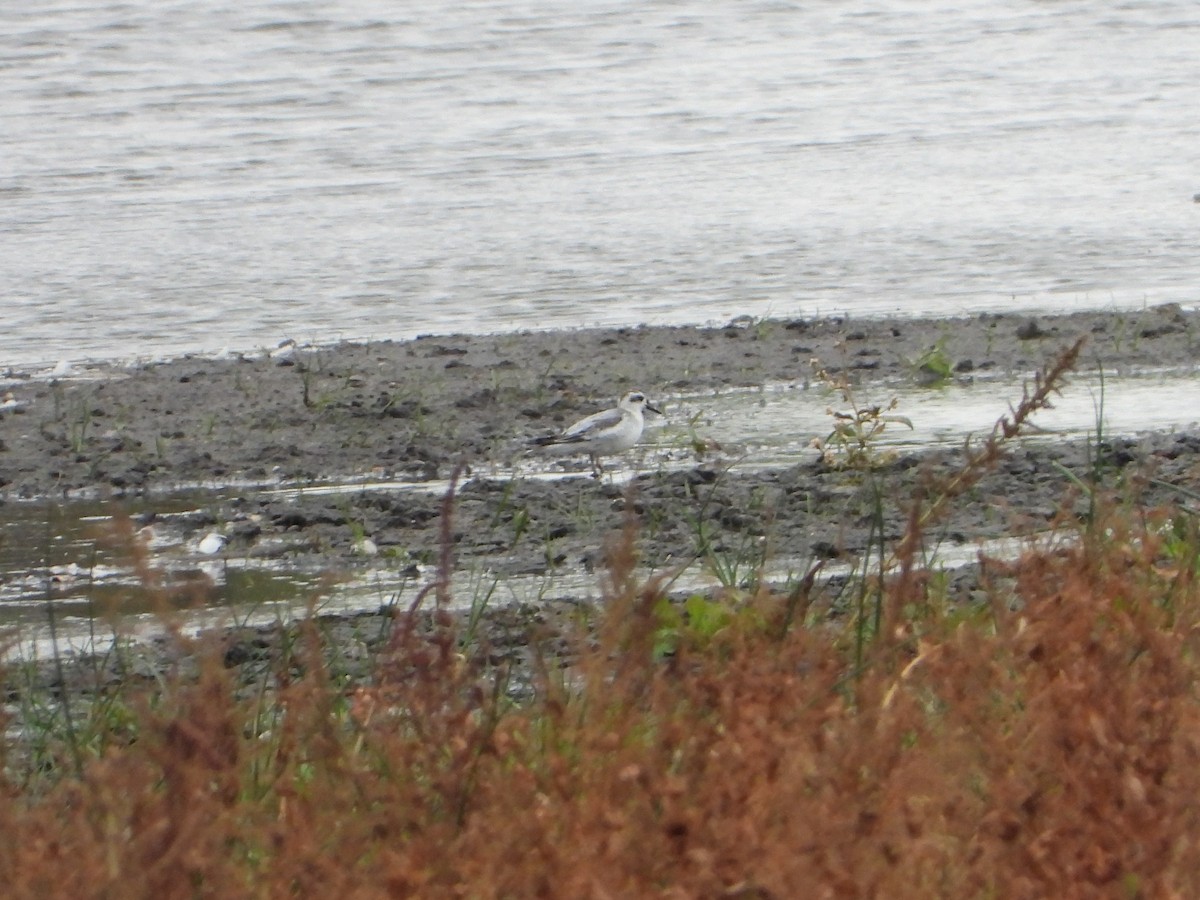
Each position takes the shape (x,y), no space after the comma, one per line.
(1042,743)
(1049,749)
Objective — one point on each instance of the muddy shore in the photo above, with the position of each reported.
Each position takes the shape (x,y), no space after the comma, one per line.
(414,411)
(411,410)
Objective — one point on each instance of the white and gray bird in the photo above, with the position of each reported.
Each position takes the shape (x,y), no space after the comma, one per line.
(604,433)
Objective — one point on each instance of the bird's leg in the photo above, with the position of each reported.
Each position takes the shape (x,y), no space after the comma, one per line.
(597,469)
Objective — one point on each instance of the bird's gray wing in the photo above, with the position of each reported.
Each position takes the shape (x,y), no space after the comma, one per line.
(587,428)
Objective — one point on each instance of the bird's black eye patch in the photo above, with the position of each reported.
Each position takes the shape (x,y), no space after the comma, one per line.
(636,398)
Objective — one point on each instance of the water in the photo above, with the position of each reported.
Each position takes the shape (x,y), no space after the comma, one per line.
(773,426)
(190,176)
(79,556)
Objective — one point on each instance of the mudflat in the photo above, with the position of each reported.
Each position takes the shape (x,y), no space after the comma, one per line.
(421,410)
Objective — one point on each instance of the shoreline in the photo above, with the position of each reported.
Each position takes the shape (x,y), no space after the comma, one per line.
(111,363)
(411,411)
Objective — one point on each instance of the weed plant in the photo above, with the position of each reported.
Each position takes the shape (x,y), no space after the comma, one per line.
(1048,745)
(855,441)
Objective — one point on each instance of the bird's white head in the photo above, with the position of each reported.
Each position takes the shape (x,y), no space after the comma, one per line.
(636,400)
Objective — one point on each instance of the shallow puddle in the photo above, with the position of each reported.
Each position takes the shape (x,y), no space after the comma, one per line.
(89,560)
(34,638)
(776,425)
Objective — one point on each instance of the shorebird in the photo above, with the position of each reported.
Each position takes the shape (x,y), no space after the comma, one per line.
(604,433)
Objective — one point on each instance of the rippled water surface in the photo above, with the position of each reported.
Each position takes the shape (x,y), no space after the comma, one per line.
(192,176)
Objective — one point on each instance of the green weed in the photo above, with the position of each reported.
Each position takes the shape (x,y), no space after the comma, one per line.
(854,441)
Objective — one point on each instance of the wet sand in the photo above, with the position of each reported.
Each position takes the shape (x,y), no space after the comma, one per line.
(415,411)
